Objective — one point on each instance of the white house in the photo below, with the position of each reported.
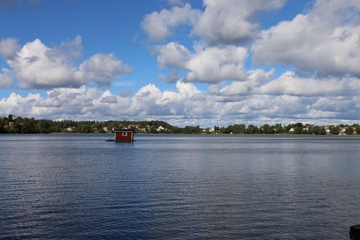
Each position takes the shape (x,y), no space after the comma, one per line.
(160,128)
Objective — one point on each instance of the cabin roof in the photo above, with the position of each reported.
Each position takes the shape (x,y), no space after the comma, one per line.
(123,130)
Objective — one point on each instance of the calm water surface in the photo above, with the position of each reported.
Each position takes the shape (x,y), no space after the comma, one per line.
(178,187)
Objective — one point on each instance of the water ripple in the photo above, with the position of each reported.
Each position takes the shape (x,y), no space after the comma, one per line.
(178,187)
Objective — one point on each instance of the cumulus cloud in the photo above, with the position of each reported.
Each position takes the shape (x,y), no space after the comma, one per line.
(289,84)
(173,77)
(176,2)
(67,103)
(38,66)
(71,48)
(172,55)
(208,65)
(255,79)
(325,41)
(6,78)
(8,48)
(34,67)
(20,106)
(186,102)
(184,106)
(102,69)
(215,64)
(260,82)
(159,25)
(229,21)
(322,45)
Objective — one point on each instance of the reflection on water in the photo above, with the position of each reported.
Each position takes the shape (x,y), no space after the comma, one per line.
(178,186)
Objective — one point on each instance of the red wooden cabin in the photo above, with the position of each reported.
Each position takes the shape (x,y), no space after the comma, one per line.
(122,135)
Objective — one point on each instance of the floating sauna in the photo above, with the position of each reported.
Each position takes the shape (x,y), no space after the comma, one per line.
(122,135)
(355,232)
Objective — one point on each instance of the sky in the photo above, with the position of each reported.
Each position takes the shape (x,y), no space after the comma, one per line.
(197,62)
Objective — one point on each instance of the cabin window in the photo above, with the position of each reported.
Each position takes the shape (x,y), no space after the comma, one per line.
(124,134)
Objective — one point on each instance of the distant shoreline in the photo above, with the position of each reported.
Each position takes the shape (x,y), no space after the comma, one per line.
(190,134)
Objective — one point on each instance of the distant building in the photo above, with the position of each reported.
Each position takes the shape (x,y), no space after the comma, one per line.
(134,126)
(342,131)
(142,130)
(327,129)
(124,135)
(160,128)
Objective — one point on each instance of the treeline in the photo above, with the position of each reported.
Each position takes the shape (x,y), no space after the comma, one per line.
(13,124)
(17,124)
(296,128)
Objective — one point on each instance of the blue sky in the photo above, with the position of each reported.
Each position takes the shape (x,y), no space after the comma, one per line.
(185,62)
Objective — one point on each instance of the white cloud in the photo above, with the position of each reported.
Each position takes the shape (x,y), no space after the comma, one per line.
(173,77)
(172,55)
(325,41)
(215,64)
(289,84)
(158,25)
(19,106)
(102,69)
(214,89)
(261,83)
(254,80)
(208,65)
(38,66)
(102,64)
(228,21)
(6,78)
(185,106)
(9,48)
(176,2)
(68,103)
(150,101)
(70,48)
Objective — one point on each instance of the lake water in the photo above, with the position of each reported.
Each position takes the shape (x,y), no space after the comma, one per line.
(178,187)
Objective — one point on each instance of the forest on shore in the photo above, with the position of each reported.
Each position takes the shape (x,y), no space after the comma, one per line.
(17,124)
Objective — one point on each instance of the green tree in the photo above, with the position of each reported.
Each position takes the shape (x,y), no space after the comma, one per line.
(10,118)
(322,131)
(349,130)
(357,129)
(227,130)
(334,130)
(315,130)
(266,129)
(251,129)
(192,130)
(278,128)
(298,130)
(2,125)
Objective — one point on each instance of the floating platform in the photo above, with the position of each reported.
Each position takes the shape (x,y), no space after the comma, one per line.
(113,140)
(355,232)
(122,135)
